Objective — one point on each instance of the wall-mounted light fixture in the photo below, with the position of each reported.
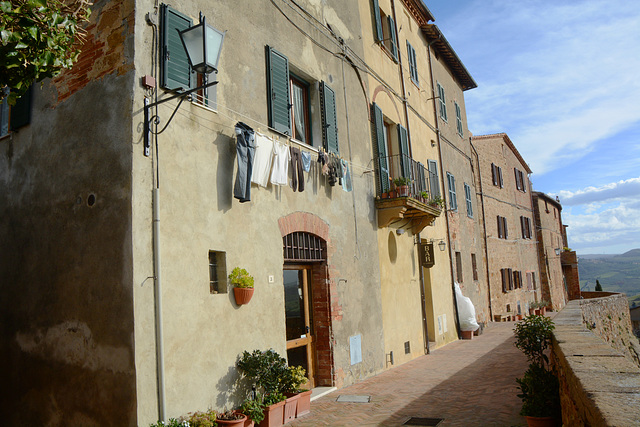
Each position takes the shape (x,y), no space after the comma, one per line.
(557,251)
(442,245)
(203,45)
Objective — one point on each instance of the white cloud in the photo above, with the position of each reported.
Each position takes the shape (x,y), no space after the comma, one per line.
(551,75)
(592,196)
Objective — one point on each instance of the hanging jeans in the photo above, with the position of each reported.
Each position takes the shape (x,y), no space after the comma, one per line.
(245,148)
(297,178)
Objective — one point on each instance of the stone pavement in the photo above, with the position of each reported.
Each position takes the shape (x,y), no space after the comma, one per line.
(467,383)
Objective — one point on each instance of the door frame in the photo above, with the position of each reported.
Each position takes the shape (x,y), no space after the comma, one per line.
(309,340)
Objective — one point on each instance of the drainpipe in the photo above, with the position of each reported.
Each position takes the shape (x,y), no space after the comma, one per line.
(446,216)
(405,104)
(158,301)
(484,231)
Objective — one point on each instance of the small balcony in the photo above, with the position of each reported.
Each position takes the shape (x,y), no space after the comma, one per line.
(403,195)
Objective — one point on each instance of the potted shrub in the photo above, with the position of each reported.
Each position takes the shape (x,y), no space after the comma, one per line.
(424,196)
(254,410)
(266,370)
(242,283)
(231,418)
(298,401)
(539,387)
(402,186)
(436,202)
(200,419)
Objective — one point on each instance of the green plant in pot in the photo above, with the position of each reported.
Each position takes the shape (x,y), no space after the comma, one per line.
(300,398)
(539,386)
(242,283)
(266,371)
(254,408)
(436,201)
(402,186)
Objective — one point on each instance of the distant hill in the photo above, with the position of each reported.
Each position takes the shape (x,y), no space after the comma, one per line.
(616,273)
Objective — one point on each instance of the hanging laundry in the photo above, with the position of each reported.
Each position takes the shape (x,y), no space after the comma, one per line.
(280,164)
(323,159)
(245,149)
(297,178)
(262,160)
(306,161)
(332,166)
(346,172)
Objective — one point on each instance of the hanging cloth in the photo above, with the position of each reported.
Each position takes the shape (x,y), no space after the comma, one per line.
(280,164)
(245,149)
(306,161)
(346,174)
(262,160)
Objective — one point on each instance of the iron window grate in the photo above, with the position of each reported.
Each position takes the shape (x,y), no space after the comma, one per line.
(301,246)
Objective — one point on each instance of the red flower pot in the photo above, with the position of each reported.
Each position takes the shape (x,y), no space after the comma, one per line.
(243,295)
(239,422)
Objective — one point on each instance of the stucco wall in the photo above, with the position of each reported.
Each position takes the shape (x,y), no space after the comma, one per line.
(204,333)
(598,385)
(65,224)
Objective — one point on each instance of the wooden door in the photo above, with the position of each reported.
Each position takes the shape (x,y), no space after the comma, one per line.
(299,319)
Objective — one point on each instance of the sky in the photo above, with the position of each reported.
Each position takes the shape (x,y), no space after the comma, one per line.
(562,79)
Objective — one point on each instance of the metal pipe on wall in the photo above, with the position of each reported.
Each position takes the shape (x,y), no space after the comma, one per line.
(158,305)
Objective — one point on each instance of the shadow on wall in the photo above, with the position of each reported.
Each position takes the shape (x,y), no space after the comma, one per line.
(224,173)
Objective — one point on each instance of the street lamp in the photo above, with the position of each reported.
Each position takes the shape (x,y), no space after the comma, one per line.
(203,45)
(442,245)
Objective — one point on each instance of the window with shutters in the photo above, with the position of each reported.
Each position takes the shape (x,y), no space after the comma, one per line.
(507,279)
(290,98)
(175,72)
(496,175)
(451,183)
(442,102)
(413,63)
(520,180)
(502,227)
(384,30)
(467,197)
(13,117)
(459,127)
(474,267)
(525,224)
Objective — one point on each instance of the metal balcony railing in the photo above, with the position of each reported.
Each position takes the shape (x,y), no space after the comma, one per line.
(392,171)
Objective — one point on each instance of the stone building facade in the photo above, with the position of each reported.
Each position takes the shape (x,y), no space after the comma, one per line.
(514,275)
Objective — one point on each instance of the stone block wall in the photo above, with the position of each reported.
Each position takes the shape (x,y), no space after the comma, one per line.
(598,385)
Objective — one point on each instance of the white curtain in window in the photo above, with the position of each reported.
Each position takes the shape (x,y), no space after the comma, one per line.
(298,113)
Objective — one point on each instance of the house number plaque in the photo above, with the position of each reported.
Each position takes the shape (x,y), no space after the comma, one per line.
(426,255)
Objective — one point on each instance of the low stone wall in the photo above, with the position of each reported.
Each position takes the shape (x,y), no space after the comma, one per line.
(598,384)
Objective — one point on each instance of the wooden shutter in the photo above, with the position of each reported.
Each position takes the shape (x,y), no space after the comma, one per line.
(394,40)
(405,158)
(380,147)
(505,229)
(278,91)
(467,196)
(329,119)
(413,63)
(523,227)
(494,174)
(500,233)
(175,72)
(453,202)
(21,112)
(377,20)
(422,181)
(504,279)
(500,182)
(510,278)
(434,180)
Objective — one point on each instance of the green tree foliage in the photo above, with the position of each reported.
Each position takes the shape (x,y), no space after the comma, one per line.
(598,286)
(38,39)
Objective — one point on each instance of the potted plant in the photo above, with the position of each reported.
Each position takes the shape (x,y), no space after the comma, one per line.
(231,418)
(424,196)
(436,202)
(200,419)
(402,186)
(242,283)
(539,387)
(298,401)
(254,410)
(266,370)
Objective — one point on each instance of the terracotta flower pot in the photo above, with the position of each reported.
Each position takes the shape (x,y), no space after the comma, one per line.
(243,295)
(403,190)
(290,407)
(273,415)
(238,422)
(304,403)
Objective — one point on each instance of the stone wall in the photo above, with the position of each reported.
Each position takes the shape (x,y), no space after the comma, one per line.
(598,385)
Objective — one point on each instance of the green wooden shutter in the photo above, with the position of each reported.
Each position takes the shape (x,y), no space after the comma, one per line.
(377,20)
(413,63)
(175,72)
(21,112)
(422,182)
(329,119)
(394,40)
(434,180)
(381,148)
(405,158)
(278,91)
(453,202)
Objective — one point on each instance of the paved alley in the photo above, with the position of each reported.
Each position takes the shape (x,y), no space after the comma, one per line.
(466,383)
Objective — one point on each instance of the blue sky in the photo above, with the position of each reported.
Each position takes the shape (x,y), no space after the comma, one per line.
(562,79)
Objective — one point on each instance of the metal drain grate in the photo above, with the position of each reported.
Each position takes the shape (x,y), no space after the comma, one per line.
(425,422)
(353,398)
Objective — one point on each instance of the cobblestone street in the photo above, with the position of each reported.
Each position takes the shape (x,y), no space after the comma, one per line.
(466,383)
